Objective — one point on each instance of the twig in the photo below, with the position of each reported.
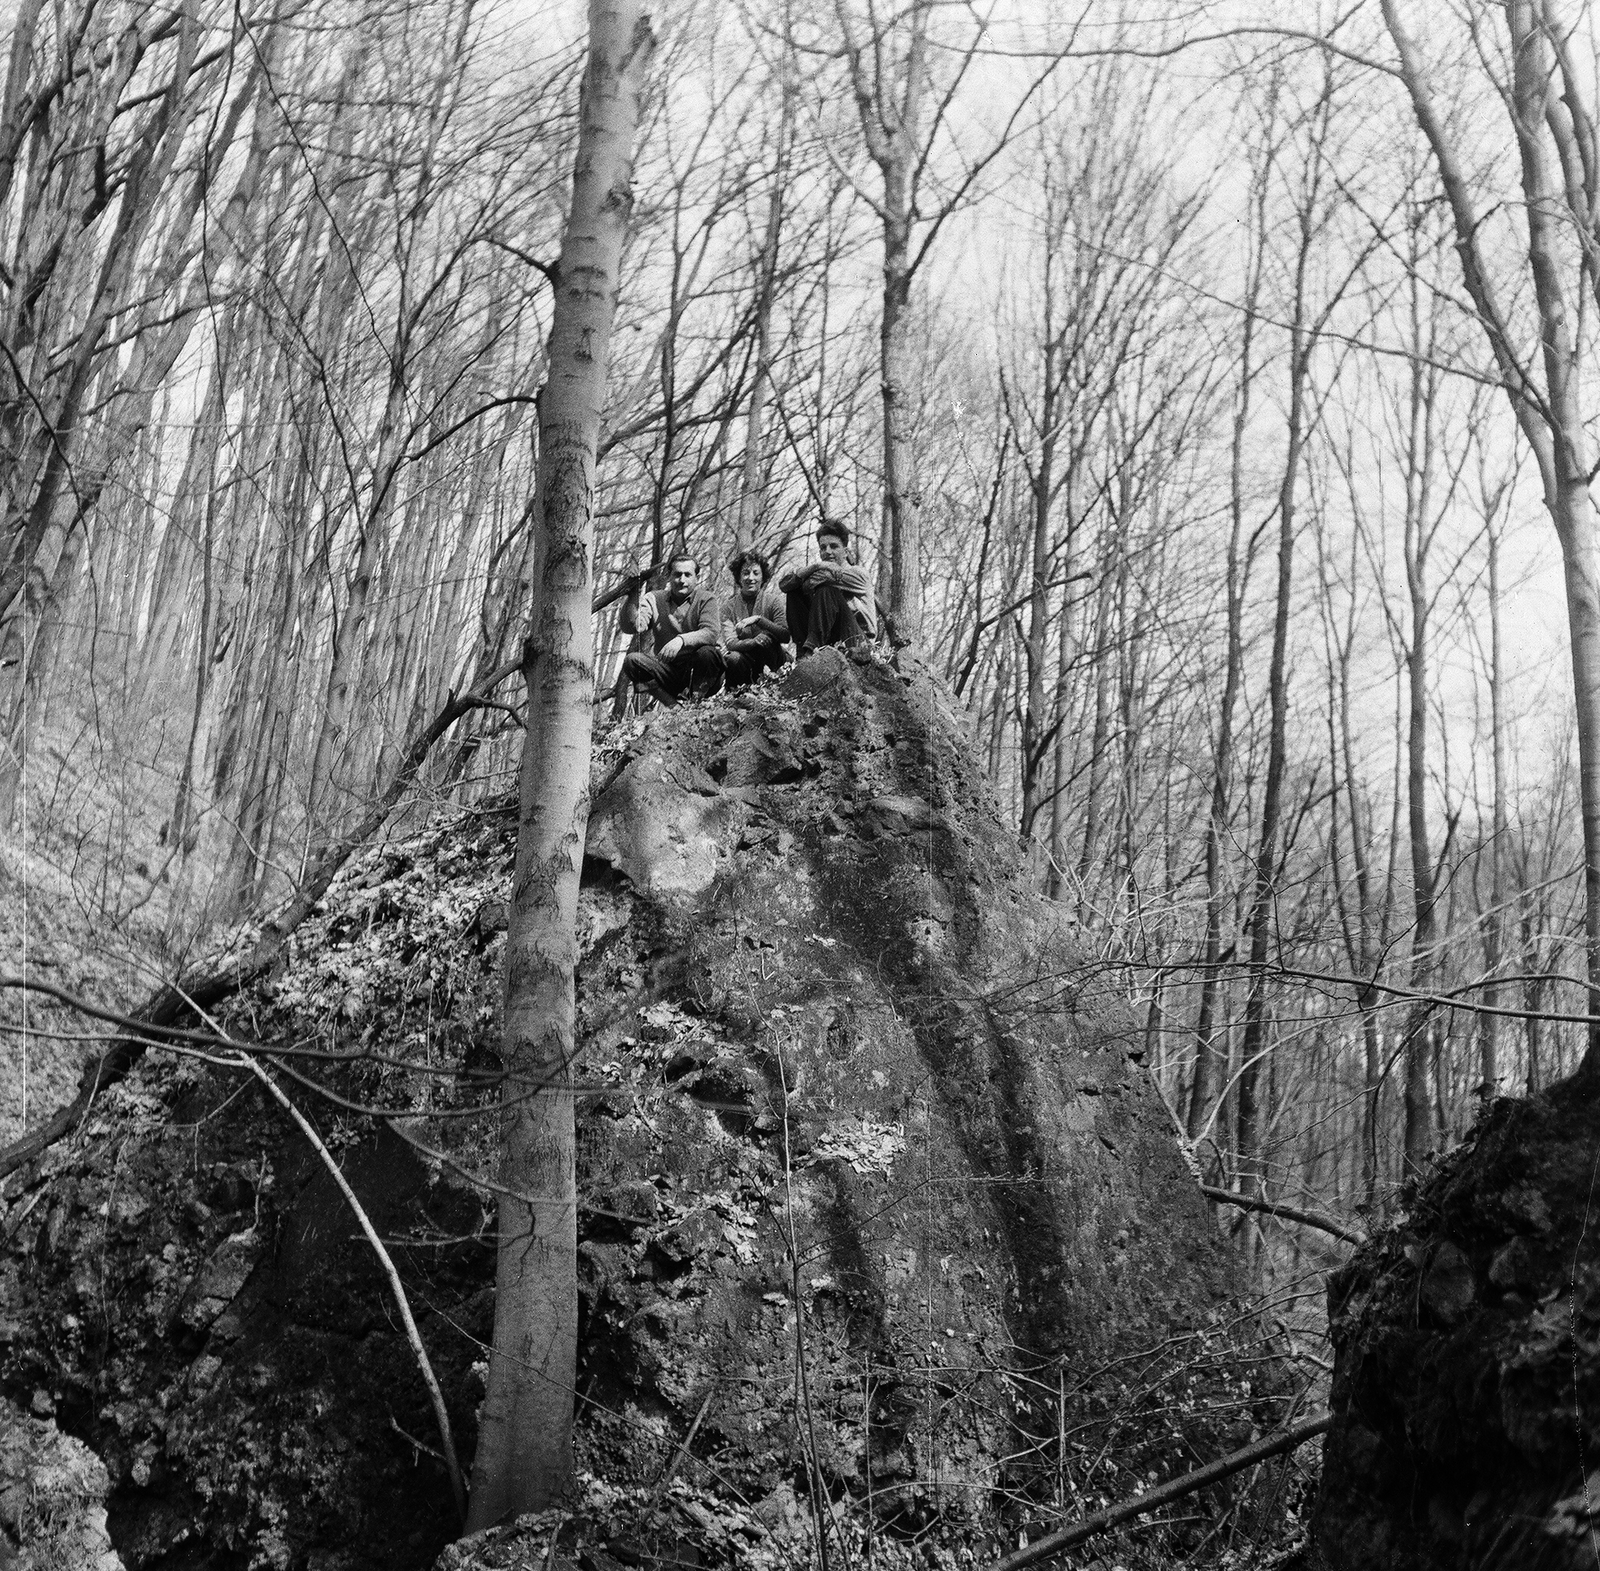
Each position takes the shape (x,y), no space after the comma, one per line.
(1236,1462)
(413,1335)
(683,1449)
(1314,1219)
(412,1441)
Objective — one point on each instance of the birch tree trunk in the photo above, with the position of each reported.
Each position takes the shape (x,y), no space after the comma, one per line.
(524,1456)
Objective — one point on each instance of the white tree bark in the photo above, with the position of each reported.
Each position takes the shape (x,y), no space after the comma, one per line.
(525,1441)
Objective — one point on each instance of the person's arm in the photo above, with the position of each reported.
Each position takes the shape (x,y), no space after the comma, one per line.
(638,614)
(769,617)
(805,577)
(852,579)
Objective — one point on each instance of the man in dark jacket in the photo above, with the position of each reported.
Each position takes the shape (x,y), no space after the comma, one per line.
(686,623)
(754,628)
(830,602)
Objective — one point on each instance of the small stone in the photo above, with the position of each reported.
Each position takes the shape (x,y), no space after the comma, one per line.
(1513,1265)
(1447,1289)
(1526,1208)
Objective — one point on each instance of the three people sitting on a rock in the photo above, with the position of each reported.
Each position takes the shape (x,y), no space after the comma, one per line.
(699,640)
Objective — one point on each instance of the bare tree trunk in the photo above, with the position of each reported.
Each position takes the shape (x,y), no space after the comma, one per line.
(1035,736)
(1495,929)
(1422,1025)
(891,112)
(524,1457)
(1060,772)
(751,479)
(325,815)
(1258,923)
(1097,746)
(1203,1087)
(901,497)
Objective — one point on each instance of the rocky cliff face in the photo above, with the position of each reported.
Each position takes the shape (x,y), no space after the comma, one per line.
(880,1218)
(1466,1393)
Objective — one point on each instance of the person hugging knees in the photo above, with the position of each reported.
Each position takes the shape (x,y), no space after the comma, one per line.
(686,622)
(754,625)
(831,601)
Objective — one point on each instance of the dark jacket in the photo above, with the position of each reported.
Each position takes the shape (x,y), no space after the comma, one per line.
(697,621)
(852,580)
(768,603)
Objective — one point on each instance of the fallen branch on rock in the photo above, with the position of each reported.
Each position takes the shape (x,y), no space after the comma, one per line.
(1053,1544)
(207,984)
(1315,1219)
(240,1055)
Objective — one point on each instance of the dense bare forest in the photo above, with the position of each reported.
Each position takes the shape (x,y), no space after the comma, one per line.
(1208,392)
(1217,516)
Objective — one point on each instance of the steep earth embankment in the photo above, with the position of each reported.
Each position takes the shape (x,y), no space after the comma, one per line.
(1466,1392)
(880,1218)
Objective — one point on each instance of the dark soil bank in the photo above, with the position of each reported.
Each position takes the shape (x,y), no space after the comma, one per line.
(850,1095)
(1467,1387)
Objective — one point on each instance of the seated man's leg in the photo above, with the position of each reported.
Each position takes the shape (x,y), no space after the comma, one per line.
(666,679)
(705,670)
(746,658)
(641,668)
(741,662)
(819,615)
(797,613)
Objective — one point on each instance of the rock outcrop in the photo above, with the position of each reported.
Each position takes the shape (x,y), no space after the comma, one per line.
(52,1498)
(1466,1391)
(879,1213)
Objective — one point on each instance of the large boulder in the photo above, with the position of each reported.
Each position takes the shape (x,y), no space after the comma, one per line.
(877,1205)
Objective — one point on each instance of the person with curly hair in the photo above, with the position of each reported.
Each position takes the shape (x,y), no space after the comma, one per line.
(753,621)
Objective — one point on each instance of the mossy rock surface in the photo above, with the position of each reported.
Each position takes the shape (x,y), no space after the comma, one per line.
(1466,1391)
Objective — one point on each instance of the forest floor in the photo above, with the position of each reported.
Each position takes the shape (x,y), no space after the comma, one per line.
(86,897)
